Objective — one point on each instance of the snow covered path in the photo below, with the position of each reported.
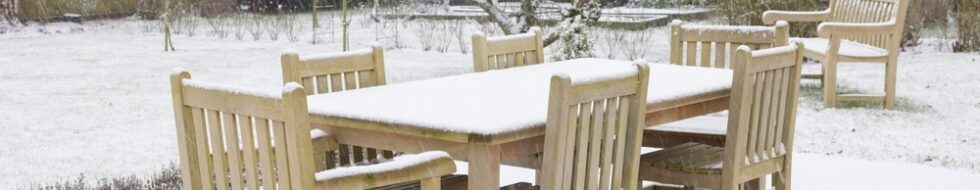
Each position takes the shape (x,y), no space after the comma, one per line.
(96,102)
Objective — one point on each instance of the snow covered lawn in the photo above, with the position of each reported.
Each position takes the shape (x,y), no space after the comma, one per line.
(94,99)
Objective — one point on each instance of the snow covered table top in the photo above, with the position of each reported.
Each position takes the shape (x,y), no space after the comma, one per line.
(501,101)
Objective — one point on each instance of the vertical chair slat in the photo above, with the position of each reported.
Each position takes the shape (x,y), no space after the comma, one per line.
(350,81)
(568,146)
(720,54)
(282,160)
(203,148)
(608,143)
(266,157)
(507,52)
(366,79)
(764,122)
(217,150)
(621,132)
(595,146)
(692,49)
(581,150)
(308,83)
(357,152)
(234,152)
(336,82)
(705,54)
(781,120)
(775,99)
(754,123)
(248,149)
(519,59)
(322,85)
(345,155)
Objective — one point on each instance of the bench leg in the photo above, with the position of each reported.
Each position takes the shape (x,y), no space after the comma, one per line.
(891,70)
(830,83)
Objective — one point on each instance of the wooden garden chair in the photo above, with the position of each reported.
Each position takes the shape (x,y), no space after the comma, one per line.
(507,51)
(237,138)
(853,31)
(761,122)
(713,47)
(339,72)
(592,135)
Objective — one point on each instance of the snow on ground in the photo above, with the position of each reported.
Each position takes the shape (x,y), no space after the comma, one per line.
(93,99)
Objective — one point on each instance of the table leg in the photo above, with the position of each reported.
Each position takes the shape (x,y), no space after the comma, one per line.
(484,167)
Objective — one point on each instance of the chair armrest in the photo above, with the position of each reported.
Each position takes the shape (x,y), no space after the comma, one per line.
(400,169)
(827,29)
(770,17)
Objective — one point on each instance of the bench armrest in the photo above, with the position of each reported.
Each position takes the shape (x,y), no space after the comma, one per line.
(770,17)
(827,29)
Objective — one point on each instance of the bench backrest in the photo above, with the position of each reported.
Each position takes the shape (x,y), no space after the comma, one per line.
(871,11)
(507,51)
(592,136)
(241,139)
(714,46)
(334,73)
(762,113)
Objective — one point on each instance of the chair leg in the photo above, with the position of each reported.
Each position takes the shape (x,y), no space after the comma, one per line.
(782,180)
(756,184)
(830,83)
(432,183)
(891,70)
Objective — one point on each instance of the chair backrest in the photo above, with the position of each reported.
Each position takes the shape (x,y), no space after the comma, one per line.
(714,46)
(871,11)
(762,113)
(335,72)
(507,51)
(592,138)
(241,139)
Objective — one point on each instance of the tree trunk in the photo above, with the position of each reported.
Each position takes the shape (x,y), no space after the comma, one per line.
(968,23)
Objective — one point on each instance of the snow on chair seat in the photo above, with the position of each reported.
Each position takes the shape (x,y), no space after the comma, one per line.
(431,165)
(847,48)
(507,51)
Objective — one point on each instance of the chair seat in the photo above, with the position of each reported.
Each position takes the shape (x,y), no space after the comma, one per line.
(847,48)
(688,157)
(710,130)
(397,170)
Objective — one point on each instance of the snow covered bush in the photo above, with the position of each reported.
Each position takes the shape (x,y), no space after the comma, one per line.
(636,44)
(575,41)
(218,26)
(292,27)
(257,26)
(612,41)
(273,27)
(239,25)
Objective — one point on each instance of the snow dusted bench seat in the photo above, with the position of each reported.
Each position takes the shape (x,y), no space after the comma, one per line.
(853,31)
(240,137)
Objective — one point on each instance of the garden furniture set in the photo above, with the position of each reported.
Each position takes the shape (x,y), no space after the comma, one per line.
(580,123)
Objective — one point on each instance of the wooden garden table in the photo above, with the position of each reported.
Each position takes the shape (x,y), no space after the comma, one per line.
(496,117)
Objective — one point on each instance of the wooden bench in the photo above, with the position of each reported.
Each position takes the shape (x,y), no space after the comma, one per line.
(853,31)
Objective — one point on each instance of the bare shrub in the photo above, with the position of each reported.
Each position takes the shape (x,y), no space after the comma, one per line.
(423,31)
(239,25)
(490,29)
(273,27)
(292,27)
(612,42)
(166,179)
(218,27)
(968,25)
(636,44)
(457,29)
(257,26)
(442,38)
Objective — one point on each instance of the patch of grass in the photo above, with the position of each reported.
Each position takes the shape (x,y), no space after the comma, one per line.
(813,91)
(166,179)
